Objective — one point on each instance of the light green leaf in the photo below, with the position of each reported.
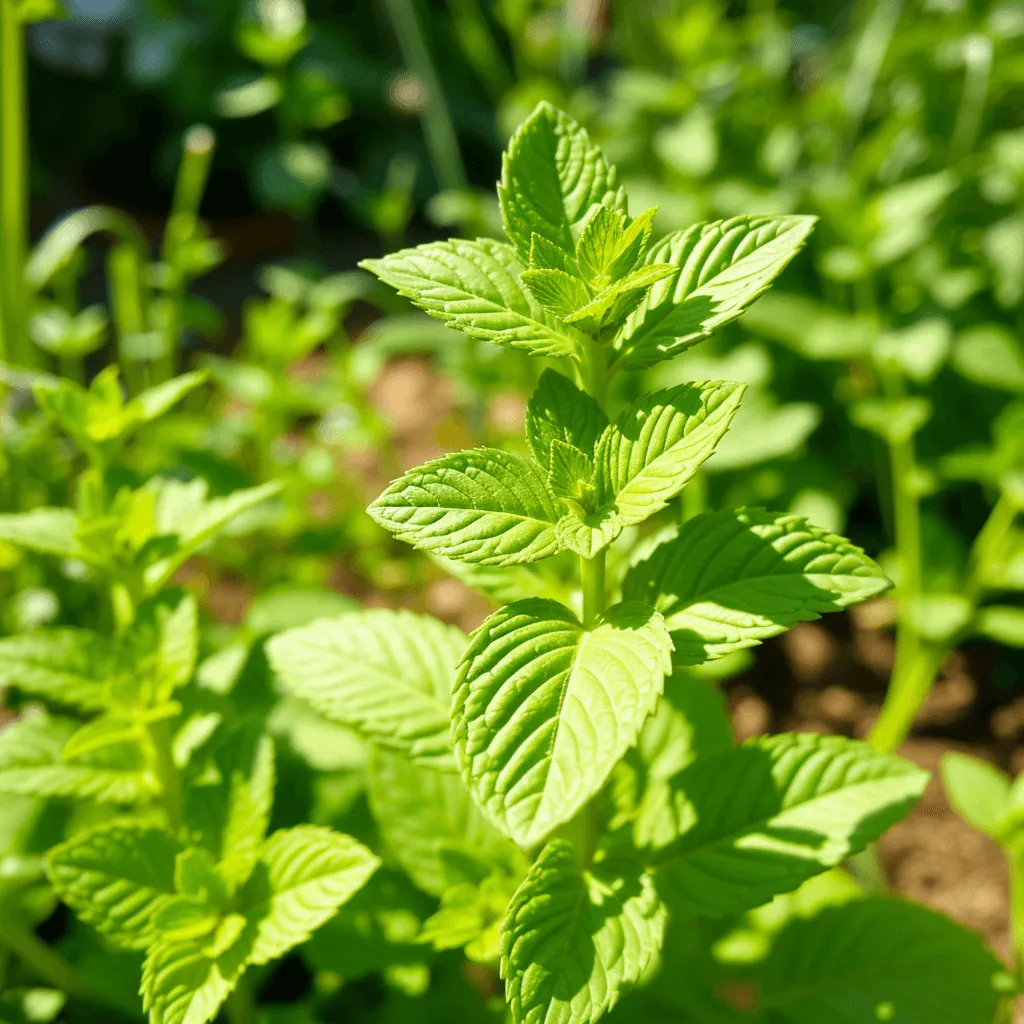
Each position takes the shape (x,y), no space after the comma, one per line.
(154,402)
(978,791)
(483,505)
(31,763)
(723,267)
(573,941)
(558,410)
(551,176)
(991,355)
(1002,623)
(600,241)
(306,873)
(476,287)
(732,578)
(878,960)
(659,442)
(50,531)
(756,821)
(587,534)
(917,351)
(432,826)
(116,877)
(65,665)
(570,473)
(558,292)
(182,983)
(543,708)
(250,800)
(620,297)
(939,617)
(470,916)
(387,674)
(895,420)
(904,214)
(109,730)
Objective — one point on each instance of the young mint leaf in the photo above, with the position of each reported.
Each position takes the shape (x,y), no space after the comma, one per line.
(658,443)
(619,297)
(386,674)
(551,176)
(587,533)
(978,791)
(152,403)
(633,245)
(64,666)
(599,244)
(432,826)
(723,267)
(305,874)
(476,287)
(184,983)
(50,531)
(558,292)
(1002,623)
(470,917)
(110,730)
(482,505)
(31,763)
(250,799)
(574,941)
(808,802)
(543,708)
(559,410)
(881,960)
(197,878)
(545,255)
(571,474)
(732,578)
(116,877)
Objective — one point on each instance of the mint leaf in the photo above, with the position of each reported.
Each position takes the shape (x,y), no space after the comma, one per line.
(571,473)
(386,674)
(305,874)
(543,708)
(723,267)
(155,401)
(558,410)
(878,959)
(64,666)
(551,176)
(588,533)
(573,941)
(600,242)
(756,821)
(31,763)
(978,792)
(558,292)
(659,442)
(50,531)
(483,505)
(476,287)
(185,983)
(116,877)
(432,826)
(250,799)
(732,578)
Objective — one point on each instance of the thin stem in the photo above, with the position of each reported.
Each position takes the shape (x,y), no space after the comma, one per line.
(43,961)
(868,57)
(1015,862)
(166,770)
(694,498)
(917,664)
(128,302)
(438,128)
(986,548)
(592,576)
(13,186)
(977,73)
(180,230)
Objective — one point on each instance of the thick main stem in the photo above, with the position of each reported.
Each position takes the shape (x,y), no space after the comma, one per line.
(13,187)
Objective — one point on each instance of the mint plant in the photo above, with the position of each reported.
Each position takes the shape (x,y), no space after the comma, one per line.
(166,850)
(561,753)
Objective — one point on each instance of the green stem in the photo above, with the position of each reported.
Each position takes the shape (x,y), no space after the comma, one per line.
(438,129)
(128,303)
(917,664)
(180,230)
(166,770)
(868,57)
(13,187)
(977,73)
(47,964)
(694,498)
(592,577)
(241,1004)
(1015,859)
